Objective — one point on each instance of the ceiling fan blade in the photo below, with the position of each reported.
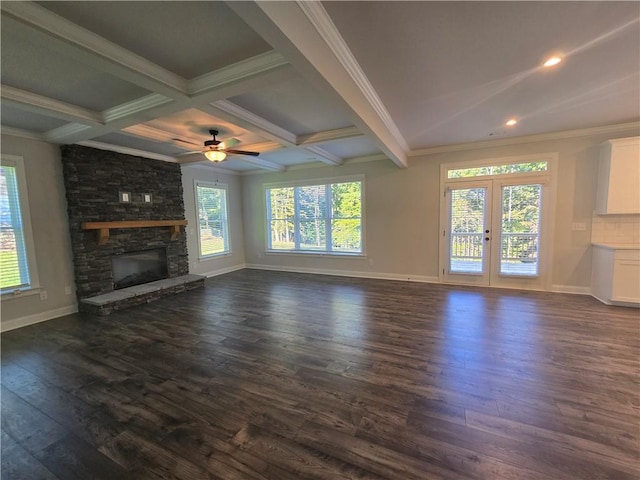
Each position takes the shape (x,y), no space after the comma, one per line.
(241,152)
(230,142)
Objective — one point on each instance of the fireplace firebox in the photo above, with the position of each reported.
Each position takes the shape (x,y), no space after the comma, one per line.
(135,268)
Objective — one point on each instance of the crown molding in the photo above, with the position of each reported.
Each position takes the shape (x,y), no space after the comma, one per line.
(19,132)
(48,106)
(127,151)
(236,72)
(135,106)
(137,69)
(250,120)
(320,19)
(328,136)
(542,137)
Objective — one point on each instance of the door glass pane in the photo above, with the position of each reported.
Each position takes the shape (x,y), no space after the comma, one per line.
(467,225)
(520,232)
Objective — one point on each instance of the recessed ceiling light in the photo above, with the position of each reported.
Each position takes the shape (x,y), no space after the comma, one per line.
(511,122)
(551,61)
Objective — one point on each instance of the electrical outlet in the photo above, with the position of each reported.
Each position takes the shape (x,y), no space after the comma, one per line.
(67,290)
(578,226)
(371,261)
(43,295)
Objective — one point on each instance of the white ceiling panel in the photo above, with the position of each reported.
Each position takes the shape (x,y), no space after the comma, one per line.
(451,64)
(187,38)
(295,106)
(25,120)
(29,63)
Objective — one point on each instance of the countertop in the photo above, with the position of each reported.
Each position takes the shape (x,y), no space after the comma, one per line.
(617,246)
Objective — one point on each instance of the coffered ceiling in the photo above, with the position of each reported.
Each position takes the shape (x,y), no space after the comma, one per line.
(307,83)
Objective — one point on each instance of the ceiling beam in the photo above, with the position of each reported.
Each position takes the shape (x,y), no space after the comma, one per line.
(250,121)
(48,106)
(128,151)
(231,74)
(328,136)
(19,132)
(304,33)
(324,156)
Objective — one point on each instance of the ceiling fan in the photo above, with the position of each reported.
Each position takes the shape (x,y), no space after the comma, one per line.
(216,151)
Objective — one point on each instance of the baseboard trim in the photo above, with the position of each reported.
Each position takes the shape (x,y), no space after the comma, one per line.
(37,318)
(347,273)
(222,271)
(572,289)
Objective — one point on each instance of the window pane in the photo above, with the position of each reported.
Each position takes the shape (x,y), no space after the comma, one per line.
(282,204)
(212,215)
(346,235)
(313,235)
(313,203)
(519,235)
(14,271)
(347,200)
(282,235)
(498,170)
(467,226)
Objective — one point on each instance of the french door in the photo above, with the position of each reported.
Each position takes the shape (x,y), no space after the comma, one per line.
(494,233)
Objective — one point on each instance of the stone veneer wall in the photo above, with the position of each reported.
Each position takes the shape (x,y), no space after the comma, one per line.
(93,180)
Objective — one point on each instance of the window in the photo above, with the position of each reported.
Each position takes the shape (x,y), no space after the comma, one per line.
(213,231)
(315,218)
(17,260)
(498,169)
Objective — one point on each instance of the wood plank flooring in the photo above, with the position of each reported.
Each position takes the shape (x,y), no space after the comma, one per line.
(271,375)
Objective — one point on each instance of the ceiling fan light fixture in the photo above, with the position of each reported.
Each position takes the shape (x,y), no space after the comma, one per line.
(551,61)
(215,155)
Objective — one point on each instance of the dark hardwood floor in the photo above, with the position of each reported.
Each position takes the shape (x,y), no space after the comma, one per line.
(265,375)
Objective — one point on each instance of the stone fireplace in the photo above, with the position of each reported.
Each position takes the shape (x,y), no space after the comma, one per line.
(103,186)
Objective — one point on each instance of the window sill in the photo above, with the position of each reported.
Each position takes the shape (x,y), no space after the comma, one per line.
(317,254)
(213,256)
(19,293)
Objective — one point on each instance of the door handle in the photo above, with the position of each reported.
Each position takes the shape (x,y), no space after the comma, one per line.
(486,239)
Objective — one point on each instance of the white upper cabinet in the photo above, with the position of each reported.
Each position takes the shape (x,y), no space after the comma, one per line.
(619,177)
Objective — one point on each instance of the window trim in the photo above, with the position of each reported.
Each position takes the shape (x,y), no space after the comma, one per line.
(307,183)
(221,186)
(23,198)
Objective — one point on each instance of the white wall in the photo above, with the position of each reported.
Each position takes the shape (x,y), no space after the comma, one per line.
(51,235)
(223,263)
(402,213)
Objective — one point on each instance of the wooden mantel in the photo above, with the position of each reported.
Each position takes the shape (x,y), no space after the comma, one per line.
(104,227)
